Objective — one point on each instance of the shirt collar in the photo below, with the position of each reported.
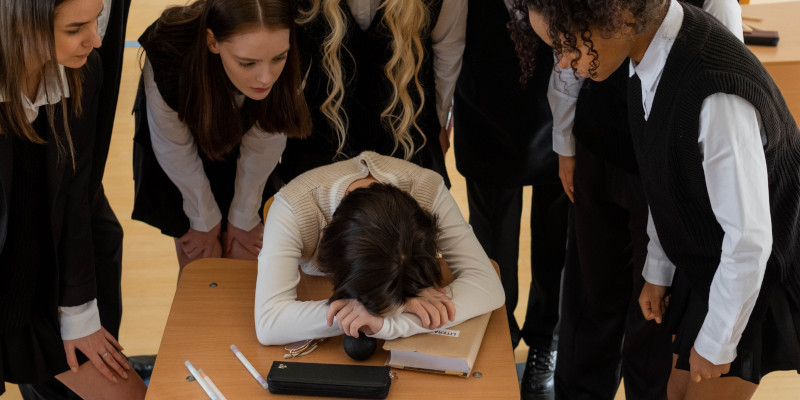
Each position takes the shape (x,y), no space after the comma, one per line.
(50,92)
(652,65)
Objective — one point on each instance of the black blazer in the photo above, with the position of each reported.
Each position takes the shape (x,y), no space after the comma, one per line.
(68,195)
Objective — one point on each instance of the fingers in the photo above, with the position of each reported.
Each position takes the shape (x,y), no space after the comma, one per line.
(111,339)
(567,188)
(112,357)
(333,309)
(72,361)
(414,306)
(695,377)
(98,363)
(451,309)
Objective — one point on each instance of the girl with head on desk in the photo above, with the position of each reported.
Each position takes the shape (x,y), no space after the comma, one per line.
(719,157)
(220,93)
(49,321)
(375,225)
(380,77)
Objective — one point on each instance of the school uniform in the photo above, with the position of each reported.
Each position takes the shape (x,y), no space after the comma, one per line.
(177,186)
(604,336)
(47,277)
(723,193)
(503,142)
(368,91)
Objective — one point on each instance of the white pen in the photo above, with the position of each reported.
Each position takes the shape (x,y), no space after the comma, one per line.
(249,366)
(201,381)
(211,384)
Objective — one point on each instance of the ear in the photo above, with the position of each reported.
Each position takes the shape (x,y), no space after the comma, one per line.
(211,42)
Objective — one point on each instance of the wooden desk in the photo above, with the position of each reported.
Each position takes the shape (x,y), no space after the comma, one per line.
(783,61)
(205,321)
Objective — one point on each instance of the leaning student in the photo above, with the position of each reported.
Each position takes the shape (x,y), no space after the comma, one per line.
(221,94)
(719,155)
(376,226)
(49,321)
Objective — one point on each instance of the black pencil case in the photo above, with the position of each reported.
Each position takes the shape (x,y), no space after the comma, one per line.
(761,38)
(329,380)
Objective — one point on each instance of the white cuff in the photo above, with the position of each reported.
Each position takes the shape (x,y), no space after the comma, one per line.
(564,143)
(79,321)
(717,353)
(658,272)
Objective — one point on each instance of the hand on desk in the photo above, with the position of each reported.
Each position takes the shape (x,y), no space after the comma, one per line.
(352,316)
(702,369)
(433,307)
(239,239)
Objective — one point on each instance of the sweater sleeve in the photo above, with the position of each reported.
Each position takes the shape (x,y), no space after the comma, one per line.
(279,317)
(476,287)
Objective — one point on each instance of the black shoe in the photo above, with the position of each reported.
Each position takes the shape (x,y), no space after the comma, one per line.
(537,380)
(143,365)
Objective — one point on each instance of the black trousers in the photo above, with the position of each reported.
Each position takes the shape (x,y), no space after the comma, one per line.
(494,213)
(603,334)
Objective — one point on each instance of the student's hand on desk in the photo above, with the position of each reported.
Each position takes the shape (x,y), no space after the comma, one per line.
(654,301)
(433,307)
(702,369)
(566,170)
(352,316)
(102,350)
(251,240)
(198,244)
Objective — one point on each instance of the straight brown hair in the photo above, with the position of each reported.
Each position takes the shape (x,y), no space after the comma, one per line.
(205,92)
(27,43)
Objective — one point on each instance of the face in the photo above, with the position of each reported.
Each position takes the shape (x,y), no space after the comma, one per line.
(253,60)
(75,30)
(611,52)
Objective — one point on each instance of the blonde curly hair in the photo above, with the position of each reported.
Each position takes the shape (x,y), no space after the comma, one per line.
(406,20)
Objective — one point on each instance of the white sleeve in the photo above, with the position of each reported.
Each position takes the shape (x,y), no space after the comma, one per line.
(658,269)
(476,288)
(448,37)
(736,176)
(79,321)
(259,153)
(279,317)
(728,12)
(562,94)
(176,153)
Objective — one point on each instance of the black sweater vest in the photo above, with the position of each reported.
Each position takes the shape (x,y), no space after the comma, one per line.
(367,93)
(706,59)
(504,129)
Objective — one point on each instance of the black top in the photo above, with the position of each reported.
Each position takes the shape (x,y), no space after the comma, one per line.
(57,218)
(367,92)
(503,130)
(707,59)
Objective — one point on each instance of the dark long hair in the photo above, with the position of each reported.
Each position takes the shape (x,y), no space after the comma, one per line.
(380,248)
(570,24)
(27,32)
(206,95)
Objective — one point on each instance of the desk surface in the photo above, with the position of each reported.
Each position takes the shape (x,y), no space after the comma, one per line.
(781,17)
(204,322)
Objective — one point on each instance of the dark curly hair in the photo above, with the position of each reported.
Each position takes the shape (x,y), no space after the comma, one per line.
(380,248)
(567,20)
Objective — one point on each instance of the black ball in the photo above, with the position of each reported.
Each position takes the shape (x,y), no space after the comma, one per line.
(360,348)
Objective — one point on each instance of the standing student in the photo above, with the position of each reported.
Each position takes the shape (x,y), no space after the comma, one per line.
(378,227)
(49,319)
(503,141)
(604,336)
(221,84)
(379,76)
(719,155)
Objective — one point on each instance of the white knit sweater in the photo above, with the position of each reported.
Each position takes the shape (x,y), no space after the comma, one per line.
(304,207)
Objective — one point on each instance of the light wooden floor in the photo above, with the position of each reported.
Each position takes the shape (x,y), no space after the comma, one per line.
(150,265)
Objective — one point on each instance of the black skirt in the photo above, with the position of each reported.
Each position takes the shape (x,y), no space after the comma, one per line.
(771,338)
(157,201)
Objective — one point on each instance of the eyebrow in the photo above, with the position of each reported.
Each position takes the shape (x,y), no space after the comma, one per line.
(245,59)
(79,24)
